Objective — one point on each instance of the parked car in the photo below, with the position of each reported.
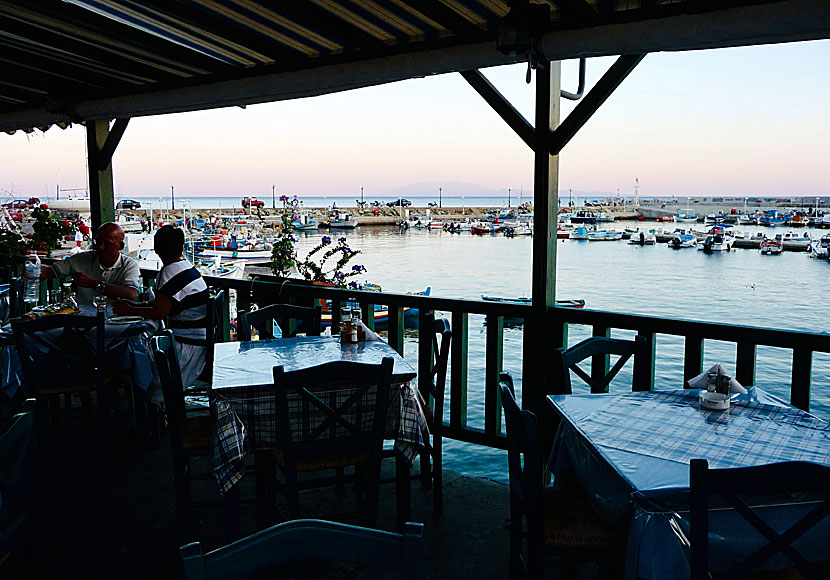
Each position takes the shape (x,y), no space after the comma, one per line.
(128,204)
(17,204)
(252,202)
(399,202)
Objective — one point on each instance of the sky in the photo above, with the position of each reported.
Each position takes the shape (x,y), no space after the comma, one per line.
(742,121)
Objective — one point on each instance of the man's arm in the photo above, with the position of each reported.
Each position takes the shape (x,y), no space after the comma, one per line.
(110,290)
(156,310)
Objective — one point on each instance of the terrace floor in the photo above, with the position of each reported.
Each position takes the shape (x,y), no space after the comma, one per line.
(113,518)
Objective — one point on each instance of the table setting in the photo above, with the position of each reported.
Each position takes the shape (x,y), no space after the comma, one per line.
(631,452)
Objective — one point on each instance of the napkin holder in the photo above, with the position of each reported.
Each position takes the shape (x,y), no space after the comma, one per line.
(717,395)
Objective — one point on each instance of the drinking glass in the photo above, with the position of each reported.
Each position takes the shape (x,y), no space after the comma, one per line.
(100,302)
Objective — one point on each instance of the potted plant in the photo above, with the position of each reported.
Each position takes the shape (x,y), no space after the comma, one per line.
(327,263)
(48,231)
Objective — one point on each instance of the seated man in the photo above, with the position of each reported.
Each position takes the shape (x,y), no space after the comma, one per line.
(101,271)
(181,296)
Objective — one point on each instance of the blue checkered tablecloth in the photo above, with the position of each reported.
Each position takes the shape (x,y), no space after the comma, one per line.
(671,425)
(246,419)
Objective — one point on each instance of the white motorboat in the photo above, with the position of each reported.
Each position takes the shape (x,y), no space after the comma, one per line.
(821,248)
(683,241)
(641,238)
(771,247)
(800,241)
(716,241)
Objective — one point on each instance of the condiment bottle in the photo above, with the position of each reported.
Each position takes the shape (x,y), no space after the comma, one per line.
(345,325)
(355,324)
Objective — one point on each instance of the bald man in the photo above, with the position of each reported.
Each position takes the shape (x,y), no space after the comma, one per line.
(101,271)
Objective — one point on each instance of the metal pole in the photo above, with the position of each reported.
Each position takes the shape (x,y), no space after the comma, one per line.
(439,197)
(273,197)
(172,199)
(508,198)
(361,196)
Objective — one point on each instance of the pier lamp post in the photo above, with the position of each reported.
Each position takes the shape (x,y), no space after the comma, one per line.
(439,197)
(462,205)
(172,199)
(273,197)
(508,197)
(361,196)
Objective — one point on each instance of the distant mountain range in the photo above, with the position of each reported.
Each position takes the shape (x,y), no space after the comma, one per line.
(459,188)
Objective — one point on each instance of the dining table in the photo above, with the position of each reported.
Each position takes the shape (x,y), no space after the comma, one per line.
(631,451)
(127,340)
(243,401)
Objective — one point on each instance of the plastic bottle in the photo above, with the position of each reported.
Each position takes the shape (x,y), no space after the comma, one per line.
(32,268)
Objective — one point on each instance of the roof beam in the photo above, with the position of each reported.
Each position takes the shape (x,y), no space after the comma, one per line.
(571,8)
(445,16)
(104,157)
(589,104)
(501,105)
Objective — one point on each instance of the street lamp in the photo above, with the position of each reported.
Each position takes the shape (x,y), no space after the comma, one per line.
(361,196)
(439,197)
(508,197)
(172,199)
(273,197)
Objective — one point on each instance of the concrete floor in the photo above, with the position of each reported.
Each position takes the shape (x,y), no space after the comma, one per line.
(113,518)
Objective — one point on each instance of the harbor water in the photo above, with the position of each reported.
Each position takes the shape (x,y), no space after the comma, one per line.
(740,287)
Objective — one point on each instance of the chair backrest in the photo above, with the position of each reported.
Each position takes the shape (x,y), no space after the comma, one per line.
(17,290)
(303,541)
(16,481)
(524,461)
(215,329)
(69,358)
(441,339)
(170,377)
(735,486)
(305,320)
(598,349)
(334,409)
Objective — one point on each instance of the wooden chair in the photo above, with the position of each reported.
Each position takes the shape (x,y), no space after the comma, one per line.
(290,319)
(75,364)
(189,436)
(16,481)
(559,523)
(331,416)
(738,484)
(598,349)
(304,541)
(432,389)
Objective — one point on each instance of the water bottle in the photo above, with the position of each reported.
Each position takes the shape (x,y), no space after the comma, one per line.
(32,293)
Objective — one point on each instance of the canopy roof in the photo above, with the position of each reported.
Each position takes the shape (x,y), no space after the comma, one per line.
(63,62)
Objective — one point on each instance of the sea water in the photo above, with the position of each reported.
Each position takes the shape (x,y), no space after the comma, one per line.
(740,287)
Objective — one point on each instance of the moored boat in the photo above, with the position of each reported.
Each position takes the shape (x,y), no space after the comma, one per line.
(683,241)
(526,300)
(604,236)
(381,312)
(771,247)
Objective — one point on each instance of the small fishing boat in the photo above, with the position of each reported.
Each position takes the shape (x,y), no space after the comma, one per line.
(747,220)
(343,221)
(686,218)
(604,236)
(794,241)
(716,241)
(482,229)
(771,247)
(519,230)
(821,248)
(683,241)
(642,238)
(526,300)
(305,224)
(584,217)
(381,312)
(580,233)
(771,218)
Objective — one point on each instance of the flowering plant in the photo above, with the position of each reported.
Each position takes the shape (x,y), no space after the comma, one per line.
(326,262)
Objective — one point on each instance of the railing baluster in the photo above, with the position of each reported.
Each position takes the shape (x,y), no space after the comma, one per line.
(745,363)
(493,366)
(692,358)
(802,371)
(368,315)
(645,366)
(600,362)
(226,317)
(458,369)
(395,328)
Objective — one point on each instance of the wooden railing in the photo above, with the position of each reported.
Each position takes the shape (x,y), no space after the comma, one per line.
(746,339)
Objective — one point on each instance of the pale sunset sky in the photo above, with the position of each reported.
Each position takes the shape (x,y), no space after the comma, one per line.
(747,121)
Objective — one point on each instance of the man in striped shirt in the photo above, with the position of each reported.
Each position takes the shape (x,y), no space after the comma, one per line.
(181,296)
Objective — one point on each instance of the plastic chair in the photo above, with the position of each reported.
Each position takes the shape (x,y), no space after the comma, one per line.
(735,486)
(558,521)
(328,417)
(189,436)
(16,458)
(433,387)
(306,320)
(303,541)
(566,360)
